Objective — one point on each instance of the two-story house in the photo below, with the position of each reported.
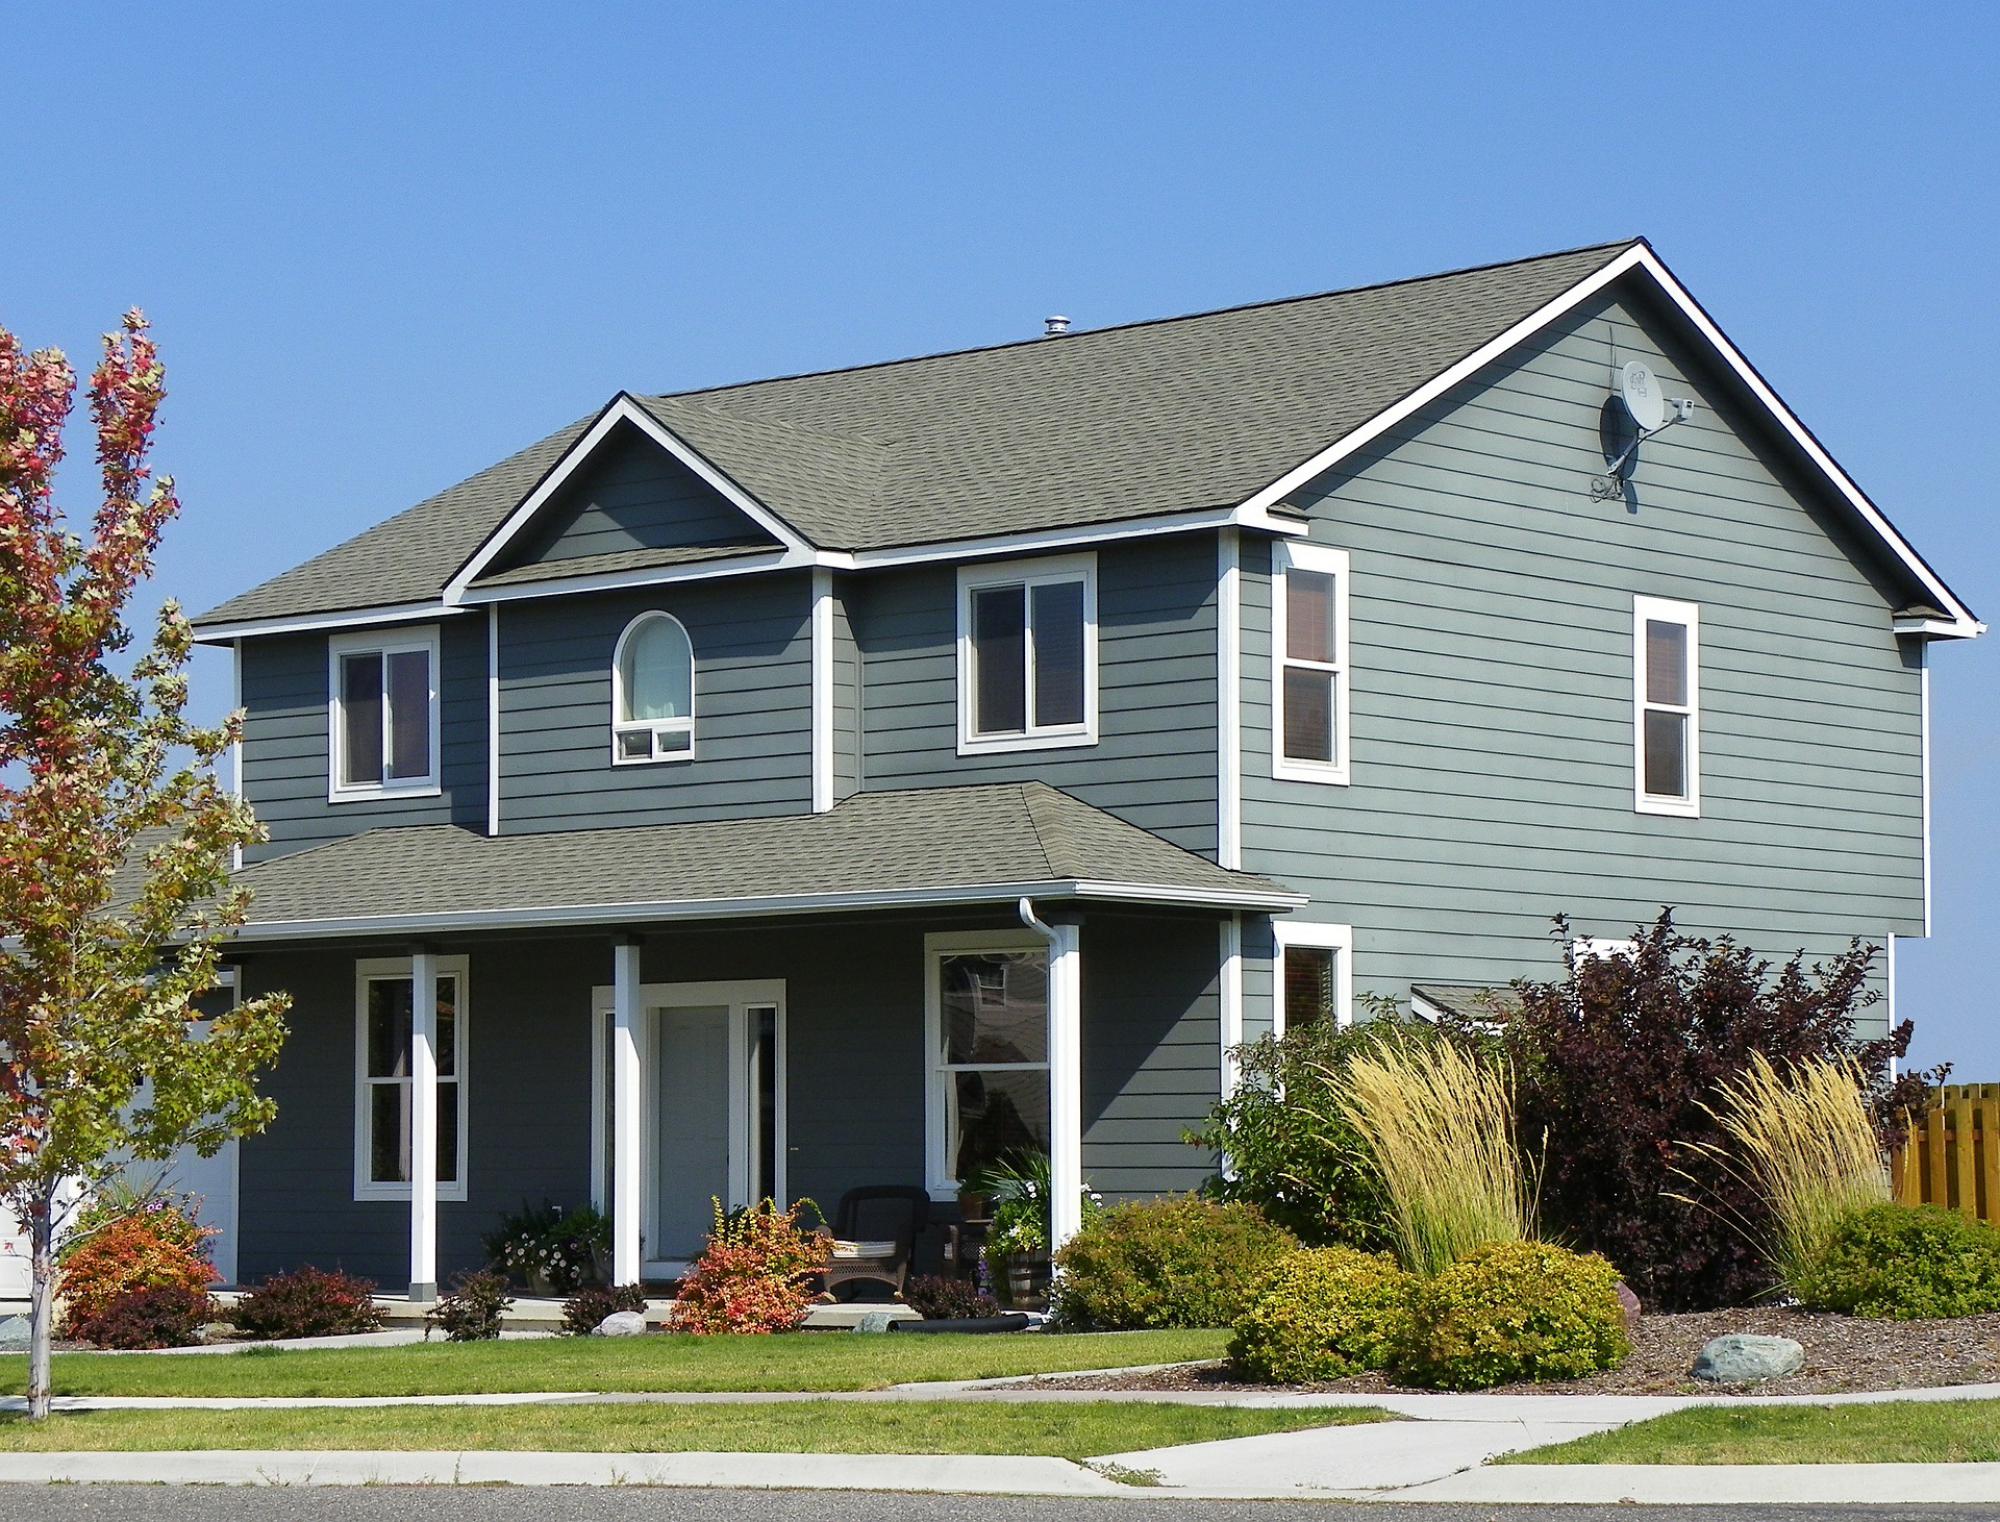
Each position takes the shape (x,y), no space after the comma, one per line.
(849,778)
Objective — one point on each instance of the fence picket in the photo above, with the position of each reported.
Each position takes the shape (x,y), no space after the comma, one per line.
(1952,1155)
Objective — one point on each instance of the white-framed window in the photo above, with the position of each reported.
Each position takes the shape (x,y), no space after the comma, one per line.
(986,1036)
(1312,974)
(1309,671)
(384,1011)
(382,713)
(1594,948)
(1666,706)
(652,692)
(1027,654)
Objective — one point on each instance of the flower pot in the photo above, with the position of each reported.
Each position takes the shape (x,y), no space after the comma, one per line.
(974,1206)
(1027,1281)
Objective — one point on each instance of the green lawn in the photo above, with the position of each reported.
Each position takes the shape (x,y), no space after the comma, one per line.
(1081,1430)
(1894,1432)
(802,1361)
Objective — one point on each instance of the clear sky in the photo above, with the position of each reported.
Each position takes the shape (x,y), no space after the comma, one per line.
(384,246)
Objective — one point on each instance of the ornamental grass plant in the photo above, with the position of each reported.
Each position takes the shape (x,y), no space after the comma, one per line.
(1439,1125)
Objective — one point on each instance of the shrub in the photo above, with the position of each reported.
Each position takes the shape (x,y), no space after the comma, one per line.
(756,1274)
(1439,1126)
(1907,1262)
(145,1251)
(172,1216)
(585,1311)
(1179,1261)
(473,1311)
(162,1316)
(1614,1064)
(309,1302)
(937,1298)
(558,1246)
(1508,1311)
(1290,1152)
(1321,1313)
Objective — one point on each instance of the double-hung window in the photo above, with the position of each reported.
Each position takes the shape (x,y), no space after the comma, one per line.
(384,1021)
(1313,979)
(987,1020)
(383,713)
(1666,704)
(1309,738)
(1027,654)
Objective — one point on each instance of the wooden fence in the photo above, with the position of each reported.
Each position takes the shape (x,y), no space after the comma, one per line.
(1952,1157)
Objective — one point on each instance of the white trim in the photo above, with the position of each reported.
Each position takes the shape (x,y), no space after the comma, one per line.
(938,945)
(236,745)
(314,623)
(1229,994)
(366,970)
(1593,948)
(1642,259)
(1322,560)
(1338,939)
(384,643)
(1688,615)
(1424,1009)
(1229,699)
(1027,574)
(653,727)
(622,408)
(1924,749)
(822,690)
(493,719)
(1889,977)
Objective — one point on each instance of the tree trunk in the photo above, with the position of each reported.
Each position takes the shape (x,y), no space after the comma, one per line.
(42,1304)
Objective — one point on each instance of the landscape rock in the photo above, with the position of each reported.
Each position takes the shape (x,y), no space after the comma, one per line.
(1742,1358)
(221,1331)
(876,1321)
(621,1324)
(1629,1303)
(14,1333)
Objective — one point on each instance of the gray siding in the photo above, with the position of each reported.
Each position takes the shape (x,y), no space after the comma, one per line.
(287,746)
(753,708)
(1155,760)
(846,696)
(1492,686)
(633,495)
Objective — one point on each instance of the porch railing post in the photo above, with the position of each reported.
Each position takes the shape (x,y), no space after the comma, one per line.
(423,1123)
(1065,1082)
(625,1165)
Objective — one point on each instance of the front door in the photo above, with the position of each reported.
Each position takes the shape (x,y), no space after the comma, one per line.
(691,1099)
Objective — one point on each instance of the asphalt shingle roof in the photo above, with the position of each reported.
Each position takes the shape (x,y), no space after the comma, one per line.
(1178,415)
(938,840)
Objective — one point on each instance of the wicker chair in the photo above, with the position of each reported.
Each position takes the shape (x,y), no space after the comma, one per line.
(875,1232)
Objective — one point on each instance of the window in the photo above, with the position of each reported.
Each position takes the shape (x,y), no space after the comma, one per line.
(383,714)
(1309,739)
(987,1018)
(1313,975)
(383,1019)
(1027,655)
(1594,948)
(1666,685)
(652,691)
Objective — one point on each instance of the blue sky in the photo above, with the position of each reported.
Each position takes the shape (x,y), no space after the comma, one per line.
(385,245)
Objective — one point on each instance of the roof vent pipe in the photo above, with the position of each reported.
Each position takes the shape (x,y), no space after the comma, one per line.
(1054,327)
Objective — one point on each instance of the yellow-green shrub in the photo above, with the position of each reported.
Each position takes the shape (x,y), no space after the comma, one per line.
(1177,1261)
(1322,1313)
(1508,1311)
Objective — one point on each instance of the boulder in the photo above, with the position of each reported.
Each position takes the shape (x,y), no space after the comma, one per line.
(621,1324)
(221,1331)
(876,1321)
(14,1334)
(1743,1358)
(1629,1304)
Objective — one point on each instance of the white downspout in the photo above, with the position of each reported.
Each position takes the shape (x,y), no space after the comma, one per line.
(1065,1074)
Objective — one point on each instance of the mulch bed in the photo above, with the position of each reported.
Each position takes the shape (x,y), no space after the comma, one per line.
(1842,1353)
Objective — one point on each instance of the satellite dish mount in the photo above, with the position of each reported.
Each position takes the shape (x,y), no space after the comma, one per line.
(1647,411)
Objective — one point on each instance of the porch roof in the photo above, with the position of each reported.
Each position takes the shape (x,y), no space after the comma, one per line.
(956,845)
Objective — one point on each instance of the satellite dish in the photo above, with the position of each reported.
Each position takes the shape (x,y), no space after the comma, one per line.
(1642,397)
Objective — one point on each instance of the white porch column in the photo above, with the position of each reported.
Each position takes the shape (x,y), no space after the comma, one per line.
(625,1164)
(423,1123)
(1065,1082)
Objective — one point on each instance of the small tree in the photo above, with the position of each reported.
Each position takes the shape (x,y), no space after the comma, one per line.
(101,770)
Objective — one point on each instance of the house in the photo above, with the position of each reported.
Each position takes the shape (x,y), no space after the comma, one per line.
(847,778)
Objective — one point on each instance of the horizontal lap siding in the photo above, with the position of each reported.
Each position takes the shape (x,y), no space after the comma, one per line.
(1492,687)
(846,697)
(753,712)
(1155,760)
(287,745)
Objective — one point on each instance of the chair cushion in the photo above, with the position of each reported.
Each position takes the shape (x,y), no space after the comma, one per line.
(863,1250)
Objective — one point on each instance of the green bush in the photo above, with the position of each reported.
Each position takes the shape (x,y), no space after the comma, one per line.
(1508,1311)
(1178,1261)
(1321,1313)
(1906,1263)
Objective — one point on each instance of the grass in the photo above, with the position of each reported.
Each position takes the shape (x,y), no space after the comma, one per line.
(1891,1432)
(1440,1127)
(1077,1430)
(801,1361)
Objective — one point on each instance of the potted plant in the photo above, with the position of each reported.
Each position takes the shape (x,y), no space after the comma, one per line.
(551,1250)
(1021,1187)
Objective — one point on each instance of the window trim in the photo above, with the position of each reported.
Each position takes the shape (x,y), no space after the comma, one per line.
(373,969)
(1596,948)
(1338,939)
(1688,615)
(656,727)
(385,642)
(1027,574)
(1324,560)
(937,946)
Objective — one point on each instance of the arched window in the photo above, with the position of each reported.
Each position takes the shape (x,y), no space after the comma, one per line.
(652,691)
